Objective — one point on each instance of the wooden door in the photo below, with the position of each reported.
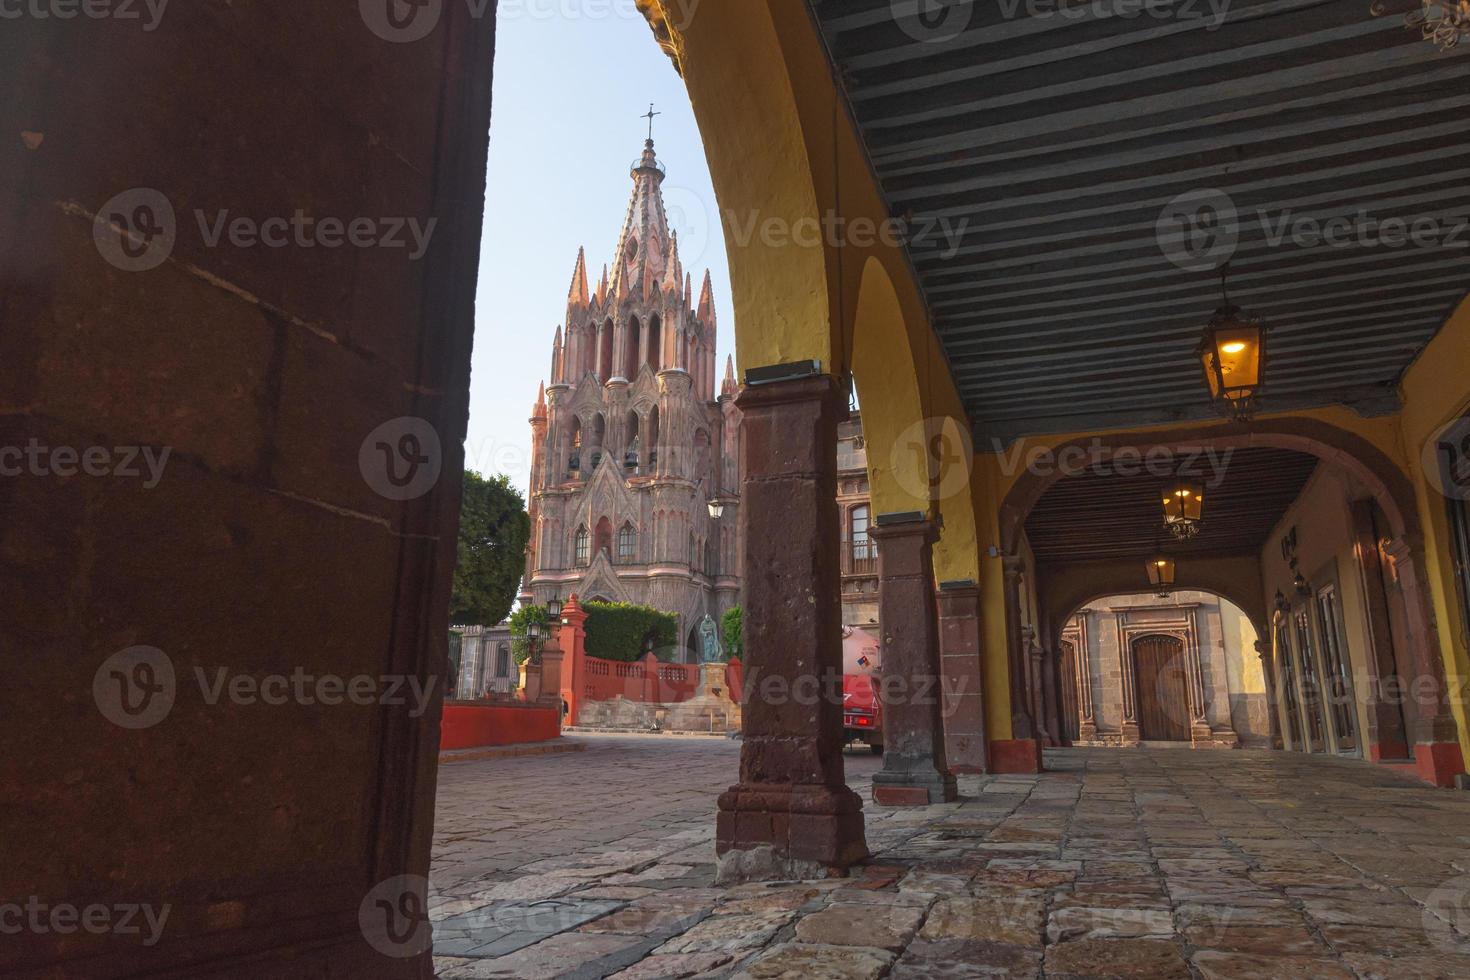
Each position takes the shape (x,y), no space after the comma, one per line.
(1163,697)
(1071,720)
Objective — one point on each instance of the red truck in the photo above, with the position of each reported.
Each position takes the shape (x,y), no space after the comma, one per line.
(862,709)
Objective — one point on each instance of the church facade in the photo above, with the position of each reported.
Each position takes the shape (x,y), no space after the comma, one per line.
(635,445)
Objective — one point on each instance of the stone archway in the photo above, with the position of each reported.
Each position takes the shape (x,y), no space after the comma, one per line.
(1436,733)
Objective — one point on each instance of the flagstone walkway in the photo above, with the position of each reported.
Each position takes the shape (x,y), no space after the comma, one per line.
(1116,863)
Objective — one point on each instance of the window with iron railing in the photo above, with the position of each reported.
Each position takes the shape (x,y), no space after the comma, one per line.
(862,558)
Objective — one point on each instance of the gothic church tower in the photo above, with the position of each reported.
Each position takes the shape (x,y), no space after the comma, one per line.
(632,440)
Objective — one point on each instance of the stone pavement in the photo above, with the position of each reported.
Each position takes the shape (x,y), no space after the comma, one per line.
(1116,863)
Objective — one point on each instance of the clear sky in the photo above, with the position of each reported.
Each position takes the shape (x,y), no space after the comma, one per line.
(571,80)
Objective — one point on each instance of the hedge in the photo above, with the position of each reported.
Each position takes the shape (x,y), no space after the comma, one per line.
(619,631)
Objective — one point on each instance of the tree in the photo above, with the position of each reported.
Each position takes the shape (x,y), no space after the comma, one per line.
(732,633)
(520,623)
(493,530)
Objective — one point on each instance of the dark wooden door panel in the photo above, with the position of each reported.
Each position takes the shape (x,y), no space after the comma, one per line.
(1163,699)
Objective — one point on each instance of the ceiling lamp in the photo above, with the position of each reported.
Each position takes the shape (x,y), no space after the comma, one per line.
(1442,22)
(1161,574)
(1184,505)
(1233,353)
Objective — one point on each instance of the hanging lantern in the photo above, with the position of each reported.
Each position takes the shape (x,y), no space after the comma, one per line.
(1233,353)
(716,508)
(1161,574)
(1184,509)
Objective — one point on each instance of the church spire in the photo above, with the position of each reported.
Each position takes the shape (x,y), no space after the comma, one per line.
(578,295)
(646,245)
(706,311)
(730,387)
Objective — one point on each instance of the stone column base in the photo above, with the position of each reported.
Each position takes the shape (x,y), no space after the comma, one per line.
(1388,752)
(1438,763)
(1016,755)
(769,832)
(914,788)
(1129,734)
(1220,738)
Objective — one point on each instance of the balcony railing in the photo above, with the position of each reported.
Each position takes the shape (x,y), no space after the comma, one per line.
(860,559)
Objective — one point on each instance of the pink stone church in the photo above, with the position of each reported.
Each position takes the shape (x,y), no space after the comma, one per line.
(635,462)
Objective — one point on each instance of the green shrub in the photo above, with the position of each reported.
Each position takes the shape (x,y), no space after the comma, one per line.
(732,633)
(620,631)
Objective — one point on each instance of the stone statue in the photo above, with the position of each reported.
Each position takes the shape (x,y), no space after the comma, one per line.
(710,651)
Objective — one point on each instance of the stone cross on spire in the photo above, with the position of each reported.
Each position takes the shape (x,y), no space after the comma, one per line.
(649,116)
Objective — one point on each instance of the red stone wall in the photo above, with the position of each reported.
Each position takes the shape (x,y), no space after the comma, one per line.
(262,549)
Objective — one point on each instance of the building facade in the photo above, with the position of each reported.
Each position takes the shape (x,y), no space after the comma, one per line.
(855,514)
(482,662)
(1182,669)
(635,442)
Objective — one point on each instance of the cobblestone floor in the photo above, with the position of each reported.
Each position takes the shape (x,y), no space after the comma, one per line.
(1117,863)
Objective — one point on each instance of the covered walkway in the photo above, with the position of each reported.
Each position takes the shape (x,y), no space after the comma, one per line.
(1118,863)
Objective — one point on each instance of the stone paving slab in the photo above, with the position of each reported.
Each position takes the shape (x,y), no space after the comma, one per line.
(1152,863)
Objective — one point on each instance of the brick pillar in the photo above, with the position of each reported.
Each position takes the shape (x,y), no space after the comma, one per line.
(961,676)
(791,815)
(914,772)
(572,637)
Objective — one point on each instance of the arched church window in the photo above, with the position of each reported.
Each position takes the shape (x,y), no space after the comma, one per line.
(583,546)
(627,543)
(605,537)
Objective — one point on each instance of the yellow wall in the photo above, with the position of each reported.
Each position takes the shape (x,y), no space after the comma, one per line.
(1436,392)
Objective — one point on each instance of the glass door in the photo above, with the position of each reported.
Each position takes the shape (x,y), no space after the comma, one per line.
(1311,682)
(1290,702)
(1341,703)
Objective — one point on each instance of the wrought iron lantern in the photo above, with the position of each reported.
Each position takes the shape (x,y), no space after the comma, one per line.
(1184,505)
(533,631)
(1161,575)
(553,607)
(1233,354)
(716,508)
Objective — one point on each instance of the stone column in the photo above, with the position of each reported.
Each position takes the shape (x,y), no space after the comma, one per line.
(1022,751)
(1022,726)
(1268,671)
(914,772)
(961,676)
(1051,694)
(792,815)
(1387,737)
(1128,730)
(1437,754)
